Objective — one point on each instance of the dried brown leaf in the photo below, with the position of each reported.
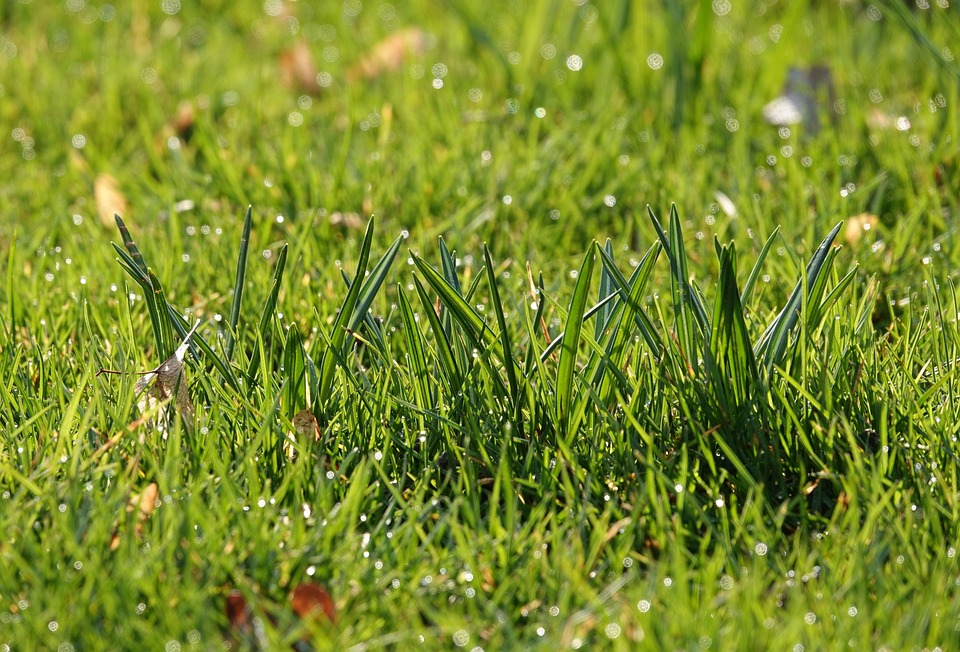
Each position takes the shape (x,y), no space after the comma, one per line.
(109,200)
(184,119)
(167,381)
(309,599)
(144,502)
(352,221)
(390,53)
(148,500)
(305,426)
(238,613)
(297,69)
(857,226)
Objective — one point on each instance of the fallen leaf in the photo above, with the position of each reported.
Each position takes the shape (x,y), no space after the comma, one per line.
(297,70)
(306,426)
(146,502)
(108,198)
(389,53)
(857,226)
(309,599)
(351,221)
(238,613)
(167,381)
(184,119)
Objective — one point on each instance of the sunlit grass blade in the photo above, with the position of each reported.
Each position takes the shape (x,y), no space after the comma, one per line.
(447,357)
(448,265)
(689,313)
(606,289)
(370,285)
(131,246)
(731,366)
(461,311)
(293,372)
(773,343)
(338,334)
(566,367)
(267,315)
(509,363)
(832,298)
(632,291)
(157,303)
(747,292)
(238,285)
(609,300)
(418,370)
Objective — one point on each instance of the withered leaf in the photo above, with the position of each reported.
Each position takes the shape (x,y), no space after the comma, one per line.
(184,119)
(857,226)
(108,198)
(146,501)
(238,613)
(390,53)
(297,70)
(169,380)
(306,427)
(310,599)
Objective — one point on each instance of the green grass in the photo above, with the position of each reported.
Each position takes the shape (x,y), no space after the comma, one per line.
(548,416)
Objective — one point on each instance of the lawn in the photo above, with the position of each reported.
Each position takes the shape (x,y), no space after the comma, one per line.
(518,325)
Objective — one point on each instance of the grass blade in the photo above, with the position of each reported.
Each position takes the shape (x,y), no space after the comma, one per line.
(731,366)
(606,289)
(415,350)
(566,367)
(371,284)
(508,360)
(269,310)
(773,343)
(462,312)
(338,334)
(238,285)
(294,370)
(747,293)
(448,360)
(131,245)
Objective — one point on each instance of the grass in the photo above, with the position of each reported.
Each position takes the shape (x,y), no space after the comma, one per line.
(564,396)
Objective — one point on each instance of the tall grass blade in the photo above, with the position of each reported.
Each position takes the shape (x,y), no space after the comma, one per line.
(606,289)
(130,245)
(294,372)
(445,352)
(266,316)
(238,285)
(335,349)
(747,293)
(566,367)
(461,311)
(689,312)
(632,291)
(731,366)
(370,285)
(773,343)
(508,360)
(417,357)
